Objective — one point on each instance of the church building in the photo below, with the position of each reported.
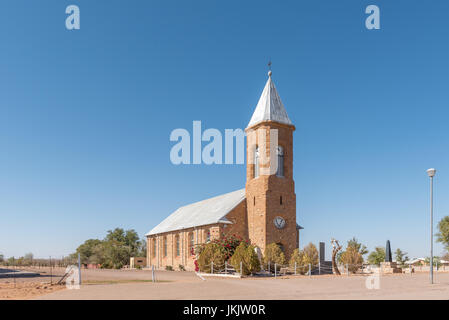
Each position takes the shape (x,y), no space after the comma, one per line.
(264,212)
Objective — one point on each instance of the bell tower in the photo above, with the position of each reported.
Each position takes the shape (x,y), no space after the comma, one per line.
(270,189)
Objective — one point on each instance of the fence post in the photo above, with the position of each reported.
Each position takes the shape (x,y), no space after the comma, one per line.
(310,270)
(295,267)
(275,269)
(269,266)
(51,273)
(347,269)
(79,269)
(410,268)
(241,268)
(152,274)
(212,267)
(226,267)
(319,267)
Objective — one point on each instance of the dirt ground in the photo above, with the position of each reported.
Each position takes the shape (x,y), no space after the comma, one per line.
(137,284)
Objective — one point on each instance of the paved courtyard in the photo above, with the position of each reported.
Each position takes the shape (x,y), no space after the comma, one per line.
(109,284)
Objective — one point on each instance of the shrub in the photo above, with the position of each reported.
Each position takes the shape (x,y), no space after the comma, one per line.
(309,255)
(247,256)
(169,268)
(273,254)
(208,253)
(297,256)
(181,268)
(352,258)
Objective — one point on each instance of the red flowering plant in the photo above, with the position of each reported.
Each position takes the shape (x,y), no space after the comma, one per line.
(217,251)
(228,244)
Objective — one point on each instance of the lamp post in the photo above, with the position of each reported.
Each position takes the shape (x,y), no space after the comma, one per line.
(431,172)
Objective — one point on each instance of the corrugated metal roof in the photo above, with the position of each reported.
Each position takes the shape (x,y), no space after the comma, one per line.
(201,213)
(269,107)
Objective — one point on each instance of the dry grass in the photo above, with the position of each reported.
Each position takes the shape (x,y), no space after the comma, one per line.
(26,290)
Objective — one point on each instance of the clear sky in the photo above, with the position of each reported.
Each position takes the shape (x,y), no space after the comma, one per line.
(86,115)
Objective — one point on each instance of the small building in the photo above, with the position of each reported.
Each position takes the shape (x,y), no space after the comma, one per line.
(135,262)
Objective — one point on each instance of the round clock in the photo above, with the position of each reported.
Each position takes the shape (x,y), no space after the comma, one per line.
(279,222)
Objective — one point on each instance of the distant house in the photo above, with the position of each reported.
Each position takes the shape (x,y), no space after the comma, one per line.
(135,262)
(417,262)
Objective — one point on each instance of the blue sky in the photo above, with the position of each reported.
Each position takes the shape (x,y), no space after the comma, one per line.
(86,115)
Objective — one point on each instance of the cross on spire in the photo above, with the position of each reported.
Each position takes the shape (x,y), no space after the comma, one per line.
(269,68)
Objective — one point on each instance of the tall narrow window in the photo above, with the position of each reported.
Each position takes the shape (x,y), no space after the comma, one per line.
(165,246)
(280,200)
(256,162)
(191,243)
(154,247)
(208,235)
(178,249)
(280,154)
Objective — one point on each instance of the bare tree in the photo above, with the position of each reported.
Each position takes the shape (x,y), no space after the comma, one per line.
(335,248)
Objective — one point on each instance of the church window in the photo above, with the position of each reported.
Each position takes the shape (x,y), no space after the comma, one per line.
(154,247)
(280,155)
(254,200)
(178,249)
(191,243)
(280,200)
(256,162)
(207,235)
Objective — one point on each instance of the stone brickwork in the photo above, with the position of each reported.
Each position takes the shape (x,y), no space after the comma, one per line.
(270,196)
(176,253)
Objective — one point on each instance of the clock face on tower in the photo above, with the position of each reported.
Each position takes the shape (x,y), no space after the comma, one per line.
(279,222)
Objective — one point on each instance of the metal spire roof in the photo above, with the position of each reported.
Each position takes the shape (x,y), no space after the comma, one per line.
(269,107)
(209,211)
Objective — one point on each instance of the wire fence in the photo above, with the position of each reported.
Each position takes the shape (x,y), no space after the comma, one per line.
(49,270)
(275,269)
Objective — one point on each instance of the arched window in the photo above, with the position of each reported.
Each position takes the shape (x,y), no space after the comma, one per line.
(208,235)
(191,243)
(256,162)
(280,154)
(154,247)
(165,246)
(178,249)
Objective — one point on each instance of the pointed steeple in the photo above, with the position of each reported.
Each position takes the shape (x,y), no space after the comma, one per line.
(269,107)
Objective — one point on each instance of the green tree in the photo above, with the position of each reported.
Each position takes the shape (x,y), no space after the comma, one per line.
(443,234)
(208,253)
(273,255)
(377,256)
(436,261)
(2,258)
(297,258)
(113,251)
(401,257)
(142,251)
(353,255)
(86,251)
(246,257)
(310,255)
(302,258)
(445,256)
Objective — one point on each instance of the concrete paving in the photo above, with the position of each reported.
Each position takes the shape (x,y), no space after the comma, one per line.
(185,285)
